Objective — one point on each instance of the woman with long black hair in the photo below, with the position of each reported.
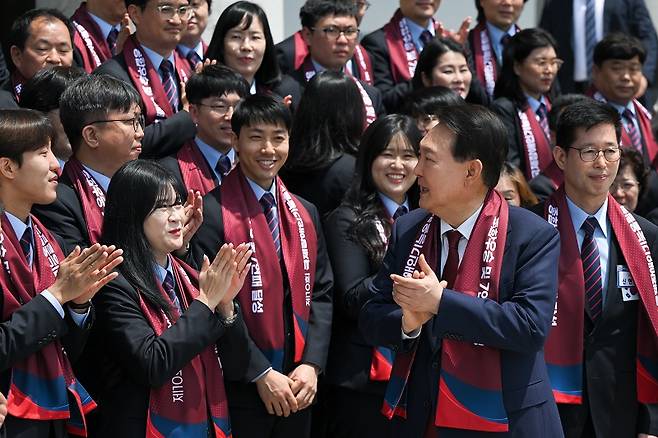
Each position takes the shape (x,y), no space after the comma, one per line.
(357,234)
(163,327)
(524,92)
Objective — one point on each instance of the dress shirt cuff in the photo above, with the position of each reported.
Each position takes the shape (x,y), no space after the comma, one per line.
(258,377)
(412,335)
(52,300)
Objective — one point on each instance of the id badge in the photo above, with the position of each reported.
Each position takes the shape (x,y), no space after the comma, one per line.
(626,284)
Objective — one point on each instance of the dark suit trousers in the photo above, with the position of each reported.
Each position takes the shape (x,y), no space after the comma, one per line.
(356,414)
(250,419)
(20,428)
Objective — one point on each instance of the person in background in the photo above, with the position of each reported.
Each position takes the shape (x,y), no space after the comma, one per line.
(324,140)
(191,46)
(630,180)
(357,234)
(514,188)
(425,104)
(524,92)
(43,93)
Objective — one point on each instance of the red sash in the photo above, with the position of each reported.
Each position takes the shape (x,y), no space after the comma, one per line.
(564,346)
(554,174)
(89,40)
(187,61)
(146,80)
(536,146)
(371,116)
(470,385)
(17,81)
(401,48)
(485,58)
(197,174)
(262,296)
(180,406)
(91,195)
(301,50)
(42,386)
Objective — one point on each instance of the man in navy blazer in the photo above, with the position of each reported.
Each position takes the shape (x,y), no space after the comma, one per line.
(460,162)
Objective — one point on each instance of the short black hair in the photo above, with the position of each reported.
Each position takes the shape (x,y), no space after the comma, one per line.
(618,45)
(480,135)
(91,98)
(428,101)
(517,50)
(559,104)
(44,91)
(19,32)
(215,80)
(259,108)
(481,16)
(430,55)
(243,13)
(23,130)
(314,10)
(633,158)
(585,114)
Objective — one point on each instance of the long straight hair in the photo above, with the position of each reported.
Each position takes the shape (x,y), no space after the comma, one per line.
(138,188)
(362,195)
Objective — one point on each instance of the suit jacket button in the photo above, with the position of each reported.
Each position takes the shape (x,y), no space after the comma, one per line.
(435,365)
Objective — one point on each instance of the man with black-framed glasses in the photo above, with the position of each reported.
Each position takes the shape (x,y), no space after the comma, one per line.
(602,349)
(149,61)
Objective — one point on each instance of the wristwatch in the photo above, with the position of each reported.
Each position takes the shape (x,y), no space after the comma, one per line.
(227,322)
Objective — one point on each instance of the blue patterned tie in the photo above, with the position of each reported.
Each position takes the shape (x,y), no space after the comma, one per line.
(269,208)
(168,286)
(629,125)
(194,58)
(589,253)
(426,37)
(590,33)
(169,83)
(223,166)
(112,39)
(401,211)
(26,244)
(542,113)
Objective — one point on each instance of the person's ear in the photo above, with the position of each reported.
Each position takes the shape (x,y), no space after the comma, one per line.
(427,82)
(135,13)
(89,136)
(306,35)
(235,144)
(473,170)
(8,168)
(16,56)
(560,156)
(194,113)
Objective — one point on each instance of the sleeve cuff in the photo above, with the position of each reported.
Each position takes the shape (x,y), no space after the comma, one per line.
(79,318)
(258,377)
(412,335)
(53,301)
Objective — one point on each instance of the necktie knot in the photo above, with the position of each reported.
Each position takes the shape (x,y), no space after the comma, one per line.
(223,166)
(504,40)
(454,237)
(112,39)
(628,115)
(26,242)
(267,201)
(166,67)
(401,211)
(426,37)
(589,226)
(170,289)
(541,111)
(193,57)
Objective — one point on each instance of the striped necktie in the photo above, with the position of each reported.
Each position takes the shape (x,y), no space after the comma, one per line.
(401,211)
(26,244)
(590,33)
(629,125)
(168,286)
(223,166)
(542,113)
(112,39)
(269,208)
(589,254)
(194,58)
(169,83)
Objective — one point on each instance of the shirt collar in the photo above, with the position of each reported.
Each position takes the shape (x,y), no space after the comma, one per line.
(466,228)
(18,225)
(579,216)
(390,205)
(161,272)
(534,103)
(259,191)
(211,154)
(156,58)
(416,29)
(621,108)
(104,26)
(102,180)
(497,33)
(184,50)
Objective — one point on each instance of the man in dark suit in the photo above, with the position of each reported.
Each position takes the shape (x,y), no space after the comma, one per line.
(484,326)
(286,298)
(103,121)
(602,376)
(191,46)
(150,63)
(330,31)
(571,21)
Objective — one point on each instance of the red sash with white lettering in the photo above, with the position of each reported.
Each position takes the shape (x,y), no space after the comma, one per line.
(484,56)
(564,346)
(401,48)
(146,79)
(262,295)
(91,195)
(536,146)
(470,385)
(88,39)
(42,385)
(17,81)
(197,174)
(180,407)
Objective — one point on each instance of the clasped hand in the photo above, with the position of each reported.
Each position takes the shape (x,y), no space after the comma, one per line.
(283,395)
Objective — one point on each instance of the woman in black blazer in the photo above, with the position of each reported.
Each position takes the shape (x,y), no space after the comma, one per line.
(159,324)
(357,233)
(523,95)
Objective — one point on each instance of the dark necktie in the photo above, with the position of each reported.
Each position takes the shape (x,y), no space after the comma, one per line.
(223,166)
(589,254)
(636,139)
(401,211)
(193,57)
(426,37)
(542,113)
(26,244)
(169,83)
(112,39)
(168,286)
(269,208)
(590,33)
(452,262)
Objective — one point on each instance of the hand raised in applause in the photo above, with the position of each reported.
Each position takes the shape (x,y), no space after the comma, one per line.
(275,390)
(215,278)
(192,220)
(242,257)
(460,36)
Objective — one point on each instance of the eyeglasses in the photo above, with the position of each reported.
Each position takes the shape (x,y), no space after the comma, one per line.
(591,154)
(363,5)
(220,109)
(333,32)
(137,122)
(168,12)
(543,63)
(625,186)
